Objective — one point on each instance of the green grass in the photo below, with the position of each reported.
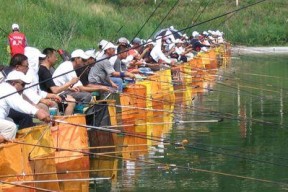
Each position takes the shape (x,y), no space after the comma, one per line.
(71,24)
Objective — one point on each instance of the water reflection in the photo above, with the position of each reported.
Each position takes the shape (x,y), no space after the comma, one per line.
(239,145)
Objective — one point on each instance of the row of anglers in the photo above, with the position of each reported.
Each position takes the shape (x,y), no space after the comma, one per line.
(30,85)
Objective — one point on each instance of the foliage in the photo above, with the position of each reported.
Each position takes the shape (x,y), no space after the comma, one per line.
(72,24)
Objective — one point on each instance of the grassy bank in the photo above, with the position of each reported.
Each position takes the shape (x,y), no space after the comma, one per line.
(71,24)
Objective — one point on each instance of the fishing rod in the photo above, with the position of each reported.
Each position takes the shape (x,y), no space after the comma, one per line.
(220,82)
(25,186)
(194,16)
(5,33)
(167,167)
(173,166)
(36,84)
(236,10)
(223,116)
(63,180)
(73,172)
(237,78)
(263,75)
(196,148)
(164,19)
(241,151)
(150,16)
(235,156)
(161,139)
(208,2)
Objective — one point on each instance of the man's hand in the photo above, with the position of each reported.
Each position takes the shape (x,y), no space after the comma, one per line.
(54,97)
(43,116)
(131,75)
(73,81)
(47,102)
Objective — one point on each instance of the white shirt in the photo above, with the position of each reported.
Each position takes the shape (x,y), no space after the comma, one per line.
(14,101)
(62,71)
(99,54)
(34,94)
(179,50)
(157,54)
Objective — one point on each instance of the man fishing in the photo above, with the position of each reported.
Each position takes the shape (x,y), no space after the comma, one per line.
(102,73)
(11,97)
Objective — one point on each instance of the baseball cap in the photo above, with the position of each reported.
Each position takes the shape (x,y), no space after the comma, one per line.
(137,40)
(123,40)
(109,45)
(195,34)
(28,51)
(79,53)
(91,53)
(150,42)
(15,26)
(178,41)
(17,75)
(103,43)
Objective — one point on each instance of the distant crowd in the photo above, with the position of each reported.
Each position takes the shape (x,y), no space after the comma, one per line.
(31,85)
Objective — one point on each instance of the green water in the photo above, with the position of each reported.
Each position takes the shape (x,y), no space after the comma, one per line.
(247,151)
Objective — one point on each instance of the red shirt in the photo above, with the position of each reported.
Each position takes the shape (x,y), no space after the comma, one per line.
(17,42)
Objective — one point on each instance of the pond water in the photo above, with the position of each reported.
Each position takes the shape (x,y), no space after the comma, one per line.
(245,151)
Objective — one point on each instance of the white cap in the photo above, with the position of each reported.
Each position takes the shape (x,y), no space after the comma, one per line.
(79,53)
(91,53)
(178,41)
(137,40)
(123,40)
(150,42)
(205,33)
(108,46)
(15,26)
(103,43)
(17,75)
(28,51)
(195,34)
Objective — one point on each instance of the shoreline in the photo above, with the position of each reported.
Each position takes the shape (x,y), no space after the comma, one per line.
(242,50)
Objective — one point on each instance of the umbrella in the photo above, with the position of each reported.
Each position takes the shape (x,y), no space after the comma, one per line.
(171,33)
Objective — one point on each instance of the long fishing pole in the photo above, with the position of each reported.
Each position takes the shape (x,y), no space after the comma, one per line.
(25,186)
(161,139)
(240,151)
(150,16)
(164,18)
(194,15)
(221,116)
(154,138)
(208,2)
(222,15)
(199,170)
(72,172)
(245,80)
